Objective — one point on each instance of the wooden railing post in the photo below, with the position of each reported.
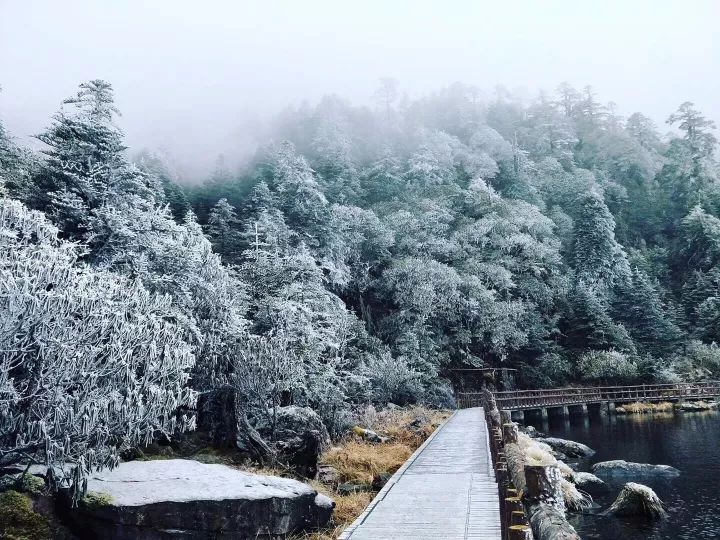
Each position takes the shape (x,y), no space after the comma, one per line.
(544,486)
(520,532)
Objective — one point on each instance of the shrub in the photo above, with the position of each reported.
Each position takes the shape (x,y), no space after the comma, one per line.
(556,367)
(18,520)
(704,357)
(90,363)
(698,362)
(393,380)
(606,366)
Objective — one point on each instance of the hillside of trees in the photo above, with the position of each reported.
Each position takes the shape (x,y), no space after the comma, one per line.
(360,257)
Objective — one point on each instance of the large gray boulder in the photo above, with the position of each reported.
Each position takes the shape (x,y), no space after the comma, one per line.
(569,448)
(621,468)
(177,498)
(298,437)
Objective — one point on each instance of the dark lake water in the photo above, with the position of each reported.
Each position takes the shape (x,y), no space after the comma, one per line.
(689,442)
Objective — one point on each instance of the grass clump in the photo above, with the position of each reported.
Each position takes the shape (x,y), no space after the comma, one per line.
(644,407)
(18,519)
(359,462)
(95,499)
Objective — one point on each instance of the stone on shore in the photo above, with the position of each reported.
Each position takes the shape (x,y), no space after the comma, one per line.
(149,500)
(567,447)
(624,468)
(298,437)
(369,435)
(637,500)
(692,406)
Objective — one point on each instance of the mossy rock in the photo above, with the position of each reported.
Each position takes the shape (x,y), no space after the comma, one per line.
(93,499)
(26,483)
(18,520)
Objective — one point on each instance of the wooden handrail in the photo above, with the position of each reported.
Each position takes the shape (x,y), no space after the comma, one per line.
(557,397)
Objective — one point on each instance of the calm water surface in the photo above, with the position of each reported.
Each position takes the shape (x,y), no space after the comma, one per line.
(689,442)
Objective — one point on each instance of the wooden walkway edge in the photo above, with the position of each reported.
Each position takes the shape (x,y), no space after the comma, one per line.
(445,490)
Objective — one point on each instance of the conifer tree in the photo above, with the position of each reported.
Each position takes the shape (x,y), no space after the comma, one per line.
(598,258)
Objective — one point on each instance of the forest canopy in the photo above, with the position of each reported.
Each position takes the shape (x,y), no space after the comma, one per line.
(361,256)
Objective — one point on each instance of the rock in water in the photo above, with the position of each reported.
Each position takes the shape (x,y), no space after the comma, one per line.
(586,479)
(531,432)
(637,500)
(623,468)
(569,448)
(299,437)
(690,406)
(149,500)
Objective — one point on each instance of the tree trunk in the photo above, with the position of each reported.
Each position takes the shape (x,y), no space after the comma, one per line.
(544,486)
(217,416)
(249,441)
(549,523)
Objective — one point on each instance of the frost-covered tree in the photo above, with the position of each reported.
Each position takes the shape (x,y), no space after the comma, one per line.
(287,298)
(639,307)
(598,258)
(434,162)
(84,164)
(159,165)
(335,164)
(297,192)
(223,230)
(16,166)
(606,367)
(696,129)
(91,363)
(266,371)
(587,322)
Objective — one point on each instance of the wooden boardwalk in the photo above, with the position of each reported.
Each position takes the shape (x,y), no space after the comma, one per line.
(446,490)
(518,400)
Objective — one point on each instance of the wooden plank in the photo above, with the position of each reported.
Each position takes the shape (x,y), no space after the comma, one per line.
(446,490)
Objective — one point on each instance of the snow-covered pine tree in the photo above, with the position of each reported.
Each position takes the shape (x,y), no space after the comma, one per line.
(223,230)
(84,163)
(599,259)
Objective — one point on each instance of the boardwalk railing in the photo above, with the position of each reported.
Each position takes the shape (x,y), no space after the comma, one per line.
(513,519)
(559,397)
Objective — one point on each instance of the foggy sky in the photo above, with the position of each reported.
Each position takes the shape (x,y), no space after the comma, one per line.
(195,77)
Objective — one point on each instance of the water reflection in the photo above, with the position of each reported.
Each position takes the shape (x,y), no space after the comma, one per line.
(688,441)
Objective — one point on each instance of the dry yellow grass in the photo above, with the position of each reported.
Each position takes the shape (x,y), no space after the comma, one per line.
(359,461)
(641,407)
(347,508)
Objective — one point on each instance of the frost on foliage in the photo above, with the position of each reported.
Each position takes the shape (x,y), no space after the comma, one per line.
(433,164)
(288,300)
(85,167)
(90,363)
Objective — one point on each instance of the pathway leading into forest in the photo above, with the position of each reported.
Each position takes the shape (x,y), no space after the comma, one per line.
(446,490)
